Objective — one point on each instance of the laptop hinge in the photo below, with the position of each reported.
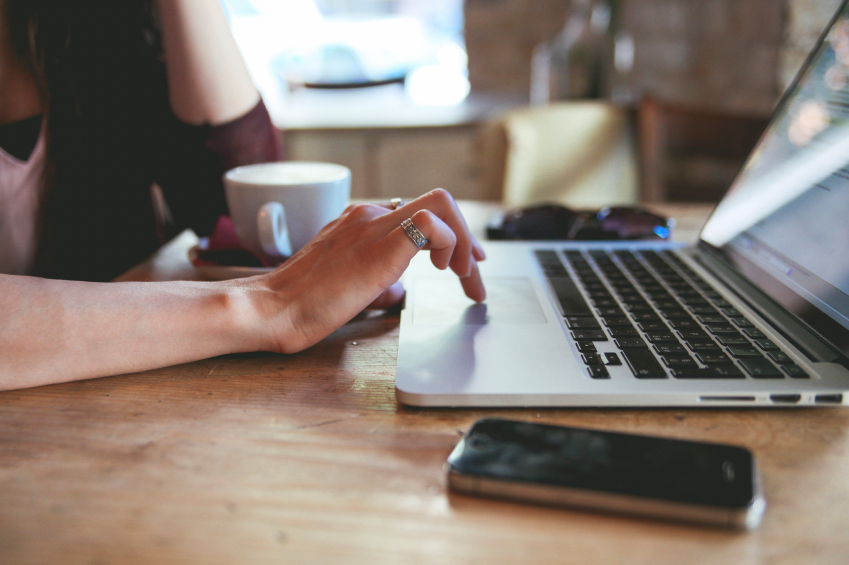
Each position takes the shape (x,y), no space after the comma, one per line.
(802,337)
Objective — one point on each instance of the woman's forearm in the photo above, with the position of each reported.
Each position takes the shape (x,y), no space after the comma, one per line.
(208,82)
(58,331)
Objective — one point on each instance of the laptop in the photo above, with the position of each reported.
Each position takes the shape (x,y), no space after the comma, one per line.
(755,314)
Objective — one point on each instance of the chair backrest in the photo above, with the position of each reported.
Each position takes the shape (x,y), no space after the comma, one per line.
(580,154)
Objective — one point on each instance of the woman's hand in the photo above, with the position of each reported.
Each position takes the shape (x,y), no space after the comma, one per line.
(356,261)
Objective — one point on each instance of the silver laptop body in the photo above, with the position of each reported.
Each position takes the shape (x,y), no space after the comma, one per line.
(766,290)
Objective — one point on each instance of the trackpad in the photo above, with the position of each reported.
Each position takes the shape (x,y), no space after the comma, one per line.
(440,301)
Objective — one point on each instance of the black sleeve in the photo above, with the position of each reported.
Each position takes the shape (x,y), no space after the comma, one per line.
(194,159)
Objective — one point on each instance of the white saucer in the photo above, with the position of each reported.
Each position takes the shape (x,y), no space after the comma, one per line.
(224,272)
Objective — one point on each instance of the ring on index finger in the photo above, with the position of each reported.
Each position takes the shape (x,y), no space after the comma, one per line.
(418,237)
(396,203)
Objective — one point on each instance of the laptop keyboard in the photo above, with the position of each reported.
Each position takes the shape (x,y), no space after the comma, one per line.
(664,320)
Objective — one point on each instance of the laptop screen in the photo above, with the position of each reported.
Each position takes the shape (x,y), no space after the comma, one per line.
(784,223)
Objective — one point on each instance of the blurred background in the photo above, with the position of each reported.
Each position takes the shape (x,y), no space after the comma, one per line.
(587,102)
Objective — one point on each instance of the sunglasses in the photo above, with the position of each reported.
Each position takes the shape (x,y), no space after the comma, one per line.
(555,222)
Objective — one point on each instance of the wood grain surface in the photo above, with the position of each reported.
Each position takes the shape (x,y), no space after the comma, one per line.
(308,458)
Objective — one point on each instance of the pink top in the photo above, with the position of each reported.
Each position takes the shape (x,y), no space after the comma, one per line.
(20,186)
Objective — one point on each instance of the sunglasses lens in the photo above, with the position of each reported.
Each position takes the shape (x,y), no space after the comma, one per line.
(634,223)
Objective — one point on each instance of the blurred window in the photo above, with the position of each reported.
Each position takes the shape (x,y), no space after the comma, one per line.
(290,44)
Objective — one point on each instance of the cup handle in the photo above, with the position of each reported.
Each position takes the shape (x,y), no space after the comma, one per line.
(272,230)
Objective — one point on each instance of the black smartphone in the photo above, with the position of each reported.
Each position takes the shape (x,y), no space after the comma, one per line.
(641,475)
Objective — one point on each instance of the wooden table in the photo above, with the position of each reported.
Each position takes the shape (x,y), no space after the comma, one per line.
(309,458)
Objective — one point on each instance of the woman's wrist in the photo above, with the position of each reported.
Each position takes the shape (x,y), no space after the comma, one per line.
(261,316)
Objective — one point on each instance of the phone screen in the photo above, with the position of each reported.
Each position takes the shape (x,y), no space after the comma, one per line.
(640,466)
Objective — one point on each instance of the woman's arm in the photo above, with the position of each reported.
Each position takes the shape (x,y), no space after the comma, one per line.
(208,82)
(57,331)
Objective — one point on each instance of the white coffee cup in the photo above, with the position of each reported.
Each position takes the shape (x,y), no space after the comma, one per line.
(278,207)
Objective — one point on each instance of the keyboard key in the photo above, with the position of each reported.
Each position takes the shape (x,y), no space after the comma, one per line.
(761,369)
(744,351)
(675,313)
(598,372)
(582,322)
(795,371)
(661,337)
(731,312)
(591,335)
(653,326)
(780,357)
(611,321)
(683,323)
(611,359)
(722,329)
(742,323)
(645,317)
(694,301)
(693,335)
(591,359)
(643,364)
(586,347)
(666,348)
(704,310)
(679,361)
(754,333)
(628,293)
(604,312)
(623,331)
(724,371)
(703,346)
(654,289)
(569,298)
(712,357)
(766,345)
(630,343)
(711,319)
(732,340)
(599,295)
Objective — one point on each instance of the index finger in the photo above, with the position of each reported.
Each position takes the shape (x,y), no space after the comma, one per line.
(473,284)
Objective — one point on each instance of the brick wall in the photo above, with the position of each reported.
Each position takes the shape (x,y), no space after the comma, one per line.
(733,55)
(710,53)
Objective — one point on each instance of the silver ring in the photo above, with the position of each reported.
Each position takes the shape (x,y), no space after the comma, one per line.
(418,237)
(396,203)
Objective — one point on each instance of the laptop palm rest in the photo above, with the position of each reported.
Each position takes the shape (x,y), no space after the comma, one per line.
(512,344)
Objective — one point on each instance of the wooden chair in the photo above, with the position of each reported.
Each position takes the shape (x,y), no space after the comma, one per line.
(689,154)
